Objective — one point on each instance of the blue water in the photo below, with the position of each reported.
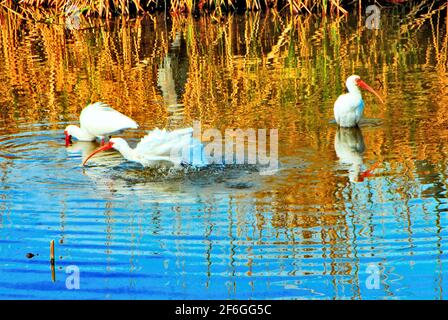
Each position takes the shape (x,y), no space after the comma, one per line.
(313,230)
(199,238)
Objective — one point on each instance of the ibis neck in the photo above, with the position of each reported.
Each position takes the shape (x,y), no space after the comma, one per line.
(82,135)
(126,152)
(354,89)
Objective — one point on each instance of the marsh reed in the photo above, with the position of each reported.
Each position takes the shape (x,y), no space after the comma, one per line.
(109,8)
(272,65)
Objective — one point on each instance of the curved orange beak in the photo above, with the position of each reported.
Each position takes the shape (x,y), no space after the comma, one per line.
(107,146)
(364,85)
(68,138)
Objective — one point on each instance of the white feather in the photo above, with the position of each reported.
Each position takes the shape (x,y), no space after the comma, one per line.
(176,147)
(101,120)
(349,107)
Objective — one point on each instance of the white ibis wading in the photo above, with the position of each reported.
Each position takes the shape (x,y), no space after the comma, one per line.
(176,147)
(349,107)
(98,120)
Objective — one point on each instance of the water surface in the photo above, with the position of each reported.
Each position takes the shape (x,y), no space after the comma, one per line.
(313,230)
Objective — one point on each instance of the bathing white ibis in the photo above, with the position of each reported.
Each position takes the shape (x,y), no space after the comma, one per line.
(176,147)
(98,120)
(349,107)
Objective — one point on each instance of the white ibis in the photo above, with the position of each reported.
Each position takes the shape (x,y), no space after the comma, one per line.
(177,147)
(349,107)
(98,120)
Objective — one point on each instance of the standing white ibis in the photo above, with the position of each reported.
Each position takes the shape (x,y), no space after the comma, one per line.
(349,107)
(98,120)
(176,147)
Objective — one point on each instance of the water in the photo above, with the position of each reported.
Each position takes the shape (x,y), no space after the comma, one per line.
(314,230)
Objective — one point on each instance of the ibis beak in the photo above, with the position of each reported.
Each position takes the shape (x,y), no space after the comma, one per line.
(107,146)
(368,173)
(364,85)
(68,139)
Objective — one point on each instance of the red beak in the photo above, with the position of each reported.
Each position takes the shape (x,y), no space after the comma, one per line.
(368,173)
(68,139)
(107,146)
(364,85)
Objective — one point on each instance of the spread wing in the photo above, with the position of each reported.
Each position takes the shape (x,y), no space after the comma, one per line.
(176,146)
(101,120)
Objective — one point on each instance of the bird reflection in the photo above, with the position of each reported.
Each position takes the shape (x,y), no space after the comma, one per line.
(87,147)
(349,146)
(83,147)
